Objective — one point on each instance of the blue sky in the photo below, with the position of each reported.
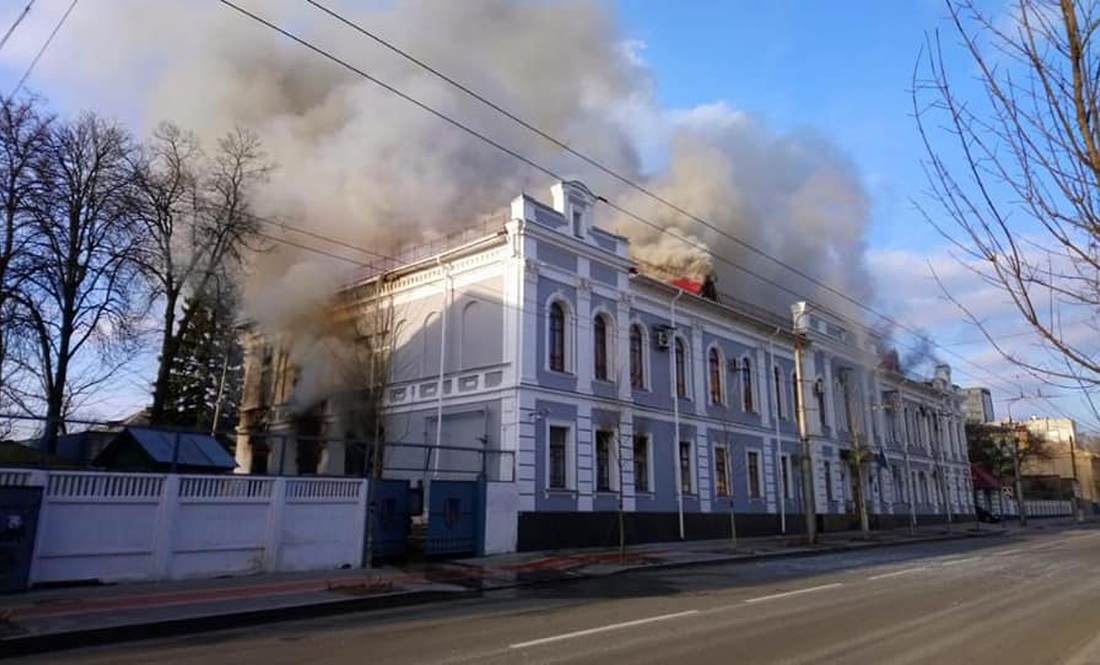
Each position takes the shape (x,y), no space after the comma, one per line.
(840,68)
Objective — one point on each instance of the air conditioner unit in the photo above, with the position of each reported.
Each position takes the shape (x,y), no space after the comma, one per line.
(819,387)
(660,338)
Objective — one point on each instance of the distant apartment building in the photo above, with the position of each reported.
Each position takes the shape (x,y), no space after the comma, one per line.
(1057,467)
(610,387)
(977,405)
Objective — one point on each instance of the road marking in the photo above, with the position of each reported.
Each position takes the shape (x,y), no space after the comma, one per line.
(1012,551)
(897,573)
(954,561)
(601,629)
(785,594)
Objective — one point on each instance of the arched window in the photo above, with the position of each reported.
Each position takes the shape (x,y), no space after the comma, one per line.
(746,384)
(819,389)
(714,368)
(681,369)
(556,342)
(778,391)
(599,347)
(637,359)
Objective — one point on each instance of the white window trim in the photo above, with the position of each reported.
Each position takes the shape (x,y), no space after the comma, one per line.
(570,455)
(614,459)
(723,384)
(648,463)
(783,410)
(693,467)
(570,359)
(759,474)
(647,375)
(752,383)
(689,384)
(729,471)
(609,321)
(787,490)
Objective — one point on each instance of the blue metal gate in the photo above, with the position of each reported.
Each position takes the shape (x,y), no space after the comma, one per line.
(391,518)
(18,523)
(454,517)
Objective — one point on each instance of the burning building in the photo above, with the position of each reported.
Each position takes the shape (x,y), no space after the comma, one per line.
(535,359)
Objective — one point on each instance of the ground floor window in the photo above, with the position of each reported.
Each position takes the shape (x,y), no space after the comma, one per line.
(753,461)
(641,463)
(685,467)
(721,474)
(785,472)
(605,459)
(829,481)
(559,443)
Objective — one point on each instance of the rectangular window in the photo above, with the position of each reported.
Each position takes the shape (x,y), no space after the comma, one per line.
(721,474)
(685,467)
(641,463)
(559,441)
(578,224)
(829,481)
(785,470)
(754,474)
(604,461)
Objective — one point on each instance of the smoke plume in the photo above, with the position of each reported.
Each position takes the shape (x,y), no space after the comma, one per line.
(354,162)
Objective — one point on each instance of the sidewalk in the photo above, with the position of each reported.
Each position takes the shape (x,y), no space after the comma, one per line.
(49,619)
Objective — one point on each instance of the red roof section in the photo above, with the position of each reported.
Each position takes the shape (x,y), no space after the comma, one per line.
(689,285)
(983,480)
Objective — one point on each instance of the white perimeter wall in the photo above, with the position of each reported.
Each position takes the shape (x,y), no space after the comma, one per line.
(115,527)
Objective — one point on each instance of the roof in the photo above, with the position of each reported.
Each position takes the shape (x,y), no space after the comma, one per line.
(194,449)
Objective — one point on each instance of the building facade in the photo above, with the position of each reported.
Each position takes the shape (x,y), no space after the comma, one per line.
(607,390)
(978,405)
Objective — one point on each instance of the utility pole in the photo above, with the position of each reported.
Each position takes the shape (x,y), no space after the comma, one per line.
(1078,512)
(805,466)
(857,456)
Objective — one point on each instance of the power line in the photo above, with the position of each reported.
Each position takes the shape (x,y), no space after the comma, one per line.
(45,45)
(547,171)
(630,182)
(18,20)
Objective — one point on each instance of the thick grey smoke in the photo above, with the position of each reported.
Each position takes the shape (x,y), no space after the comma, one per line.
(356,163)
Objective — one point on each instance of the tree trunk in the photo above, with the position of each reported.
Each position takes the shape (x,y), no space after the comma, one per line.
(168,351)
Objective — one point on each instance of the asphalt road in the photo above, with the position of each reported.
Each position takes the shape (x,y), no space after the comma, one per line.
(1026,598)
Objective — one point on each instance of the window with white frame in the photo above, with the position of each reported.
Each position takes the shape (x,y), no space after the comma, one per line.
(560,452)
(715,375)
(557,336)
(641,463)
(601,347)
(828,480)
(680,361)
(686,467)
(777,379)
(606,462)
(638,357)
(819,392)
(721,472)
(752,462)
(747,401)
(785,472)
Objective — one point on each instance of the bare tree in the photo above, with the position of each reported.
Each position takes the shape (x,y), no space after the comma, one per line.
(198,220)
(24,135)
(1014,171)
(79,279)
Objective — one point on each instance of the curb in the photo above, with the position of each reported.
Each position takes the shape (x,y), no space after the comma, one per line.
(61,641)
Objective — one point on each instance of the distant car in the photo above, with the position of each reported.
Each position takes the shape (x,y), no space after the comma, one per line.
(986,516)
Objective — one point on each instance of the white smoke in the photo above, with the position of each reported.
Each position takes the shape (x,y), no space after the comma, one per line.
(359,164)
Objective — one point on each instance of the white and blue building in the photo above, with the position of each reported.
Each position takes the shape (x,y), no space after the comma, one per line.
(604,386)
